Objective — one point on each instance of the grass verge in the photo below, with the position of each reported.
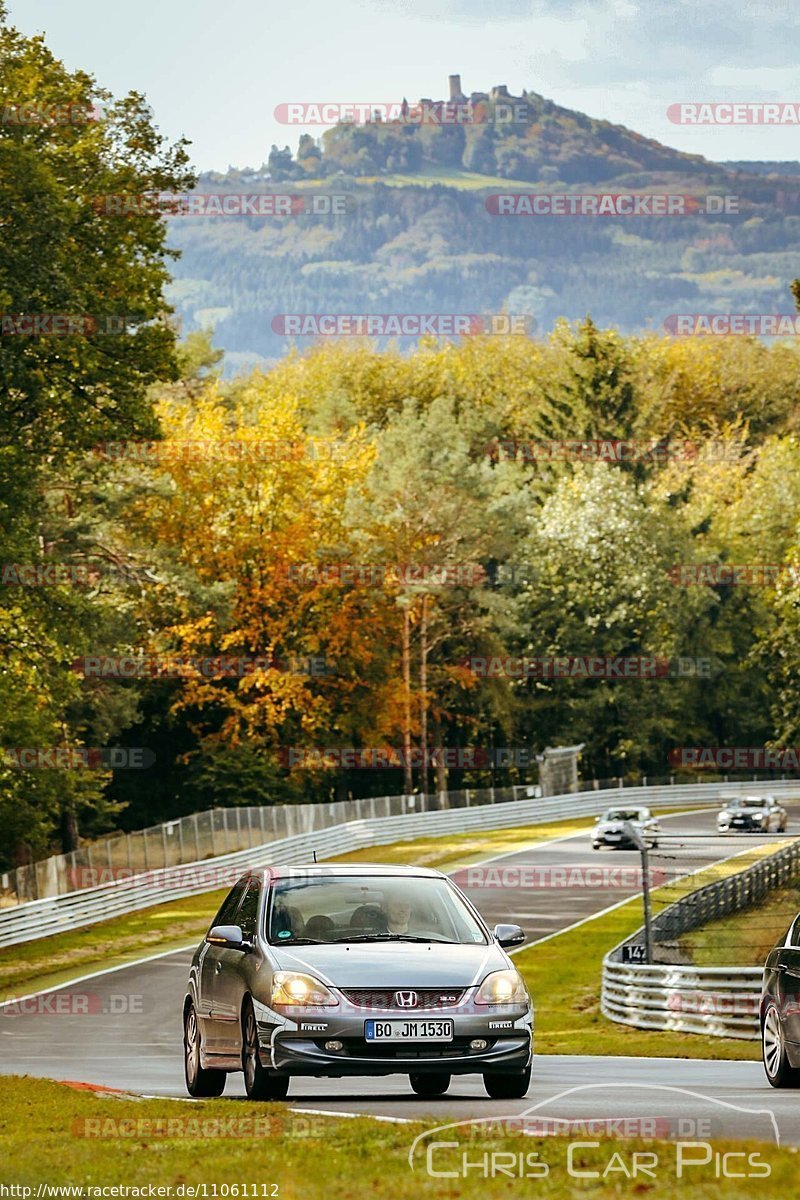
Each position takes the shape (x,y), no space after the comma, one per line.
(744,938)
(51,1134)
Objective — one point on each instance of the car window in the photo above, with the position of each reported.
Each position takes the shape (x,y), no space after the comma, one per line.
(795,938)
(338,909)
(229,905)
(248,912)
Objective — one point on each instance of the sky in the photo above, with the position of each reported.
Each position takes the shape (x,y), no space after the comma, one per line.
(215,72)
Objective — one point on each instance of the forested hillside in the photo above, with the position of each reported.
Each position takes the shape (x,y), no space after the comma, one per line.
(418,231)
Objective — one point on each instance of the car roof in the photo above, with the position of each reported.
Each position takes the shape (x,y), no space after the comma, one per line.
(748,796)
(348,870)
(627,808)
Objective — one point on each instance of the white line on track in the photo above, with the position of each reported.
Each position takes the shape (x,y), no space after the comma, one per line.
(326,1112)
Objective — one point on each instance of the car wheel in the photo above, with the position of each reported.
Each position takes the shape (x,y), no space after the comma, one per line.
(259,1082)
(430,1085)
(200,1081)
(595,845)
(778,1070)
(507,1087)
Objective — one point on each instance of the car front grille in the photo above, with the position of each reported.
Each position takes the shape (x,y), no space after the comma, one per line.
(360,1048)
(384,998)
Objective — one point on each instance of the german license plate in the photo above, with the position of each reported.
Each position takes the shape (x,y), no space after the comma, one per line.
(408,1031)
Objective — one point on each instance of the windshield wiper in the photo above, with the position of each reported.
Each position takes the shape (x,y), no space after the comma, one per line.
(392,937)
(294,941)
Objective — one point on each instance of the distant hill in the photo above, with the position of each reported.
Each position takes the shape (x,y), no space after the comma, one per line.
(417,232)
(496,133)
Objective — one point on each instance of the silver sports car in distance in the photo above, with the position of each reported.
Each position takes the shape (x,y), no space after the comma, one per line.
(355,970)
(613,828)
(752,814)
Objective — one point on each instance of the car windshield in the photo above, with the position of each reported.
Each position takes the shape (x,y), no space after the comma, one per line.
(748,802)
(369,909)
(623,814)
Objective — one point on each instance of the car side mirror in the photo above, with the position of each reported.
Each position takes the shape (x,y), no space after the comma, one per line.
(228,936)
(509,935)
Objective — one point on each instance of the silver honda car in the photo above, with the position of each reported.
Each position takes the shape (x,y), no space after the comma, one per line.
(355,970)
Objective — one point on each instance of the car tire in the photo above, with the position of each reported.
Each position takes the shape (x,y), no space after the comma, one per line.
(779,1071)
(200,1081)
(430,1085)
(507,1087)
(259,1082)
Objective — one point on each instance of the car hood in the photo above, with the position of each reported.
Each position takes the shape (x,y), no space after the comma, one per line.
(393,964)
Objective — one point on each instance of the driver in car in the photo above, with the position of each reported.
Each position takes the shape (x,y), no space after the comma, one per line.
(398,914)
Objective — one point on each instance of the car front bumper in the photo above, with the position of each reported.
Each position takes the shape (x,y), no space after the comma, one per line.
(620,841)
(298,1047)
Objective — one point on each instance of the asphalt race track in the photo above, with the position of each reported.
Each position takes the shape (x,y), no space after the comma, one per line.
(125,1030)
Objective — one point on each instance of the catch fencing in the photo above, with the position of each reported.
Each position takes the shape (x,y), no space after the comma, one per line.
(203,835)
(489,809)
(717,1001)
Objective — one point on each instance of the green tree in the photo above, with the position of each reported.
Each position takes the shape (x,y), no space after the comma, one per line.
(78,240)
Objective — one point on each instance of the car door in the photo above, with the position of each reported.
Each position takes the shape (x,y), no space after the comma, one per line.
(210,967)
(230,982)
(788,984)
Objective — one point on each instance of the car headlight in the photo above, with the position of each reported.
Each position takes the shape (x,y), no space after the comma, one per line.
(291,988)
(502,987)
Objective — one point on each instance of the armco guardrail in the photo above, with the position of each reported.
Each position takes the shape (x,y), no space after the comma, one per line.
(219,831)
(717,1001)
(40,918)
(210,834)
(720,1001)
